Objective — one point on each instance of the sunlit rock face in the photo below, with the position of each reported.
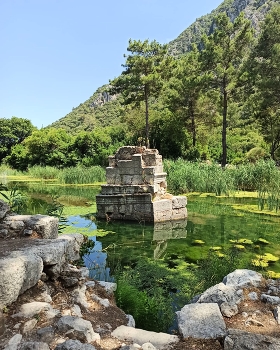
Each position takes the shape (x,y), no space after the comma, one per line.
(136,188)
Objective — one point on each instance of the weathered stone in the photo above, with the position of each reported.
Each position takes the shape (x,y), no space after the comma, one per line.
(45,226)
(276,313)
(202,321)
(130,321)
(4,209)
(33,346)
(220,293)
(253,296)
(148,346)
(74,345)
(18,272)
(76,311)
(2,324)
(239,340)
(243,278)
(228,309)
(130,176)
(270,299)
(46,334)
(103,302)
(29,326)
(14,342)
(108,286)
(79,295)
(140,336)
(77,328)
(29,310)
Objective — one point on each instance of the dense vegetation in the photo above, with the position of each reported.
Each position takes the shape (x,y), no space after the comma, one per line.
(218,102)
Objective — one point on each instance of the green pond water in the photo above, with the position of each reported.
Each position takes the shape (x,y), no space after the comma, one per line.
(212,224)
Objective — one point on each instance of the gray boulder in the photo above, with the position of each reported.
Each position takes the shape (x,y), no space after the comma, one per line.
(240,340)
(270,299)
(201,321)
(221,293)
(243,278)
(77,328)
(4,209)
(30,345)
(228,310)
(45,334)
(74,345)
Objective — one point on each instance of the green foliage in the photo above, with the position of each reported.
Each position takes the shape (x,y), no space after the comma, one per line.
(16,200)
(262,75)
(223,53)
(146,293)
(100,110)
(214,268)
(12,132)
(145,68)
(56,209)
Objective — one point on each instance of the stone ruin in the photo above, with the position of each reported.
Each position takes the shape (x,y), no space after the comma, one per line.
(136,189)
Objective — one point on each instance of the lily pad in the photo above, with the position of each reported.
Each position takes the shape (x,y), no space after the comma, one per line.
(267,257)
(262,241)
(215,248)
(198,242)
(259,263)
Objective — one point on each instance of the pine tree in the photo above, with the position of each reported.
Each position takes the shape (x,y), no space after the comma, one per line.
(145,68)
(222,56)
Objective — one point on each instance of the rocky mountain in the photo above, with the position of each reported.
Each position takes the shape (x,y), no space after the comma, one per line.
(101,109)
(255,10)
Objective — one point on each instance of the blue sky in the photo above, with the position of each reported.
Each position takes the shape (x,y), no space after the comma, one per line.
(56,53)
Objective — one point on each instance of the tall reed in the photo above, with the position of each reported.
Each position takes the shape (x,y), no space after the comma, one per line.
(43,172)
(184,176)
(82,175)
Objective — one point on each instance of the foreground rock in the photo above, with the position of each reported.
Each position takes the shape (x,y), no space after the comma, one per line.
(240,340)
(202,321)
(140,336)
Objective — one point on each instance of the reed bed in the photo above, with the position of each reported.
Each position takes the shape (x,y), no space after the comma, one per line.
(82,175)
(7,171)
(44,172)
(263,177)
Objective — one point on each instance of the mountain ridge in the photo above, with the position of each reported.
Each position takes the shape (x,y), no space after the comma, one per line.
(101,109)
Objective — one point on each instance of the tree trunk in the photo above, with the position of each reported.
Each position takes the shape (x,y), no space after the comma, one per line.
(147,141)
(191,109)
(224,131)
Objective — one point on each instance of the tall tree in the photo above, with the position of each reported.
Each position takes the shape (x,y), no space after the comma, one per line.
(12,132)
(145,67)
(263,74)
(223,54)
(182,91)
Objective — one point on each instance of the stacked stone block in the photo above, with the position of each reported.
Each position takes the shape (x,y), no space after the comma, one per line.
(136,188)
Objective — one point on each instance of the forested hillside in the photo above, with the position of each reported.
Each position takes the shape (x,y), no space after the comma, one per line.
(101,109)
(93,112)
(254,10)
(211,94)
